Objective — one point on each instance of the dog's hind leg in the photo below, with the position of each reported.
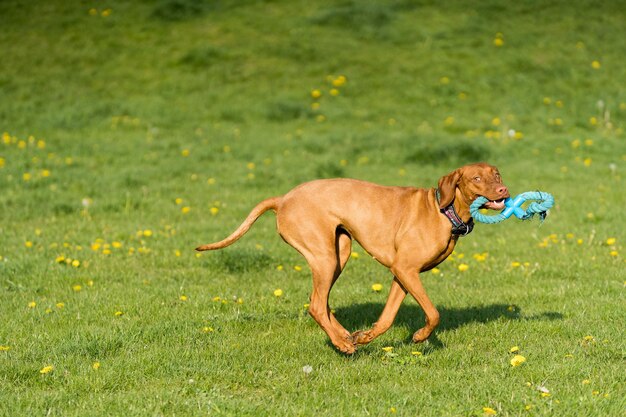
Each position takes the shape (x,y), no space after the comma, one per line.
(326,251)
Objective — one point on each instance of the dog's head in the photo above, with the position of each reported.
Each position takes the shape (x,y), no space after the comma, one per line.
(472,181)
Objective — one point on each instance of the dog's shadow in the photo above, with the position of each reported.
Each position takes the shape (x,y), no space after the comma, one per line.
(410,316)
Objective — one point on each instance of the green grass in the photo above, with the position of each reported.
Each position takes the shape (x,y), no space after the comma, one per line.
(111,118)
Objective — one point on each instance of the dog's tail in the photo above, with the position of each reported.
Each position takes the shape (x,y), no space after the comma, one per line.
(262,207)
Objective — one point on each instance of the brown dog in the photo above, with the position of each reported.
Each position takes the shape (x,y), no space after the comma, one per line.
(409,230)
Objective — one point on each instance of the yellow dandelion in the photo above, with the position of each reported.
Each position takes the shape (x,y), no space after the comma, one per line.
(316,94)
(45,173)
(75,263)
(214,210)
(339,81)
(463,267)
(5,348)
(436,271)
(185,152)
(377,287)
(488,411)
(95,366)
(278,292)
(334,92)
(106,13)
(118,313)
(32,304)
(416,353)
(279,267)
(46,369)
(496,121)
(517,360)
(183,298)
(207,329)
(77,288)
(117,244)
(514,349)
(185,210)
(387,349)
(28,244)
(354,255)
(297,268)
(498,42)
(595,64)
(515,264)
(60,305)
(611,241)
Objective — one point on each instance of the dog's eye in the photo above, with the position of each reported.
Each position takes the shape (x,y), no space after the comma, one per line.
(477,179)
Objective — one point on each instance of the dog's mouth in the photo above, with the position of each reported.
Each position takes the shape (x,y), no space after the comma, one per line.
(494,204)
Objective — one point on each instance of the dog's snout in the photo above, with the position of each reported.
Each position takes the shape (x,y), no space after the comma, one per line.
(502,190)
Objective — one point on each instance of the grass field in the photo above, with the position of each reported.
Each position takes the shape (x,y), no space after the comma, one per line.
(134,131)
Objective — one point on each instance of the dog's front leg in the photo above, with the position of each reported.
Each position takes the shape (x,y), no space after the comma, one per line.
(408,276)
(384,322)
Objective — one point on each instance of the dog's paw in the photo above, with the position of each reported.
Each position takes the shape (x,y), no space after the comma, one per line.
(421,335)
(346,344)
(361,337)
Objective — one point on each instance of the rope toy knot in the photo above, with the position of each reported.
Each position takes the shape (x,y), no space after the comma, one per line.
(513,206)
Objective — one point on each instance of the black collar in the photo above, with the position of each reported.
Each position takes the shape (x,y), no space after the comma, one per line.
(459,227)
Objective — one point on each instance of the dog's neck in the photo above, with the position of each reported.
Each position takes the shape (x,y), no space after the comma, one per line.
(458,213)
(462,206)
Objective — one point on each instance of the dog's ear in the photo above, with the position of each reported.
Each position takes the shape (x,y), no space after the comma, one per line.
(447,188)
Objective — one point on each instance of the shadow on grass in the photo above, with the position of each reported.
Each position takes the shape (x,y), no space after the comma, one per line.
(362,316)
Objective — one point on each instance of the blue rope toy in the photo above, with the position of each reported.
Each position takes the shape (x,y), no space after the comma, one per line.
(543,202)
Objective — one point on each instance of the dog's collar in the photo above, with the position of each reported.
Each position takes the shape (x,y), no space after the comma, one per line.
(459,227)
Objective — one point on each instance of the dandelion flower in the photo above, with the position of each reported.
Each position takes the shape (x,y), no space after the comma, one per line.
(5,348)
(387,349)
(46,369)
(297,268)
(96,366)
(118,313)
(489,411)
(185,210)
(354,255)
(316,94)
(147,233)
(498,42)
(377,287)
(517,360)
(334,92)
(214,210)
(183,298)
(514,349)
(596,64)
(611,241)
(32,304)
(463,267)
(278,292)
(75,263)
